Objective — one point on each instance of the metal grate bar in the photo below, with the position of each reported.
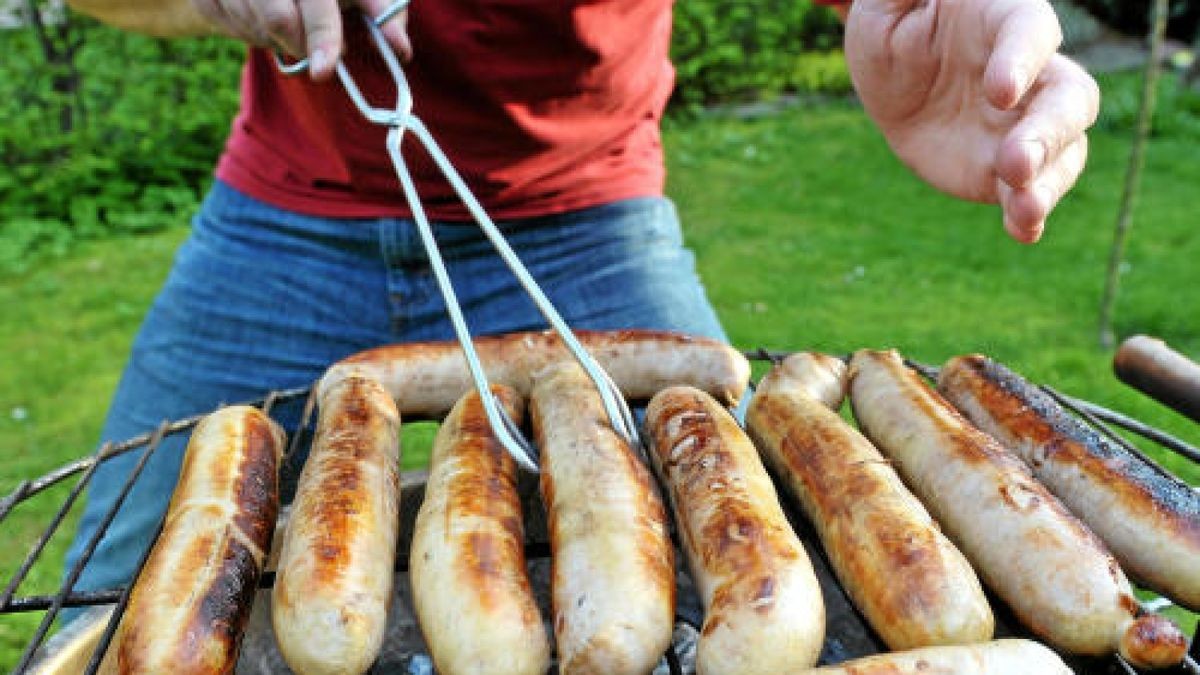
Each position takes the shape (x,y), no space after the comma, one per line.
(77,569)
(1103,428)
(29,488)
(122,602)
(34,603)
(1164,439)
(310,405)
(38,546)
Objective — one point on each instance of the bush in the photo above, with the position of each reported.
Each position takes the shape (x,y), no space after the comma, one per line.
(738,50)
(1132,17)
(130,149)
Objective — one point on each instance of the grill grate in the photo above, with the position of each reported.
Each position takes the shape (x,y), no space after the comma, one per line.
(1101,418)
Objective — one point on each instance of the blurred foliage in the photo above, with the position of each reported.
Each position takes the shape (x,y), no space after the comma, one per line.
(130,146)
(1177,114)
(736,50)
(113,132)
(1132,17)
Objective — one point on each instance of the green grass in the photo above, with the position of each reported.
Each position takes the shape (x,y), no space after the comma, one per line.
(809,235)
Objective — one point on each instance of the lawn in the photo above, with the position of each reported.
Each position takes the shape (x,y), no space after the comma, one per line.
(809,235)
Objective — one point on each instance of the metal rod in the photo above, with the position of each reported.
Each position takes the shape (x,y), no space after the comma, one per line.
(612,400)
(46,534)
(310,405)
(114,620)
(764,354)
(73,576)
(673,664)
(515,444)
(1104,429)
(34,603)
(28,489)
(1164,439)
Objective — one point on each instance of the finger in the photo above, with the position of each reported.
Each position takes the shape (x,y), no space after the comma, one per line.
(243,18)
(1064,104)
(394,29)
(282,22)
(322,22)
(1026,208)
(1025,34)
(229,18)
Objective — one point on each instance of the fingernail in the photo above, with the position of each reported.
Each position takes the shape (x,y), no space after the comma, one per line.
(1037,155)
(317,61)
(1045,196)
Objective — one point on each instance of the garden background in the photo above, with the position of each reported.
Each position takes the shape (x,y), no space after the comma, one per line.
(808,233)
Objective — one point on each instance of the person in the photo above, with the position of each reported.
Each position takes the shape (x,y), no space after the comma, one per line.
(304,251)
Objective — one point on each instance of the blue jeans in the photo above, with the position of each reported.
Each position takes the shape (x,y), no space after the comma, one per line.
(260,299)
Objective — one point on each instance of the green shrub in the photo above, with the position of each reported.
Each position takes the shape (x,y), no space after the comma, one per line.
(131,149)
(731,50)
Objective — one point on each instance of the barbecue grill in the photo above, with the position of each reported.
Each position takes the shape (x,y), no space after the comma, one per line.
(847,633)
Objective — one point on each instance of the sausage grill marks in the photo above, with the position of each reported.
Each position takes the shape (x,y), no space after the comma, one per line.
(914,587)
(470,589)
(190,604)
(427,378)
(763,607)
(613,570)
(333,587)
(1052,571)
(1149,519)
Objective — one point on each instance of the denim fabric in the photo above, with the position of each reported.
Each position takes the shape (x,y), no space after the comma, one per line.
(260,299)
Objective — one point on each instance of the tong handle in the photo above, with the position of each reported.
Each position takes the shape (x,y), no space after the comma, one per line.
(398,119)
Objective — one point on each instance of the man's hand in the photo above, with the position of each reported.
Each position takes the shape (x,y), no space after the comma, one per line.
(972,95)
(311,28)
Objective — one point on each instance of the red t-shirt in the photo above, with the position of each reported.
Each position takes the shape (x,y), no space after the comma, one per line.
(543,106)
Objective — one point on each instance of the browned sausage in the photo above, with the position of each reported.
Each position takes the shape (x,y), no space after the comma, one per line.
(1152,367)
(914,587)
(470,589)
(1051,570)
(1001,657)
(190,603)
(334,582)
(426,378)
(613,580)
(1148,518)
(763,607)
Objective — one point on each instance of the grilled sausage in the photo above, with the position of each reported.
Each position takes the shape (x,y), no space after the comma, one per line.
(190,604)
(334,582)
(1147,517)
(763,607)
(470,588)
(1001,657)
(1151,366)
(426,378)
(914,587)
(613,578)
(1051,570)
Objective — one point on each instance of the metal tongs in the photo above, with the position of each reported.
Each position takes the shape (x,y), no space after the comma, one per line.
(398,119)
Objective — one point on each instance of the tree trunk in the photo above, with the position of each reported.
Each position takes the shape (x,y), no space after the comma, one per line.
(1133,173)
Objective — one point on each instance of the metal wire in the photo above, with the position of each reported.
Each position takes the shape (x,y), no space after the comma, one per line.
(73,575)
(399,119)
(36,550)
(67,597)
